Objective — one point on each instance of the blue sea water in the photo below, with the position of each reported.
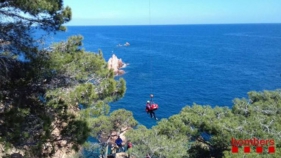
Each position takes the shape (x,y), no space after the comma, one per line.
(186,64)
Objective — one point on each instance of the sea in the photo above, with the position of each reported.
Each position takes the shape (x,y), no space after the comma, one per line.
(187,64)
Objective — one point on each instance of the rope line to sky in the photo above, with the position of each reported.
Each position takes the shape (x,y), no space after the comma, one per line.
(150,54)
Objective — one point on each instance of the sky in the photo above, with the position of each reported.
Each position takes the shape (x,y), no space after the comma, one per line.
(167,12)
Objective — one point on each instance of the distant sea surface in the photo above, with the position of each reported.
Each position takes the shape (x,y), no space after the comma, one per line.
(186,64)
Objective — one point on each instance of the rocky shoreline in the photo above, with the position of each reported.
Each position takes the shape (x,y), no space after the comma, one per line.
(116,65)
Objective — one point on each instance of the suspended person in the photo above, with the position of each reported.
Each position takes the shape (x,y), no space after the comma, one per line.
(150,108)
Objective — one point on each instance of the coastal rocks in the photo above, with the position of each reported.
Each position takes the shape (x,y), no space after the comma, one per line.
(114,136)
(121,155)
(125,45)
(11,151)
(116,64)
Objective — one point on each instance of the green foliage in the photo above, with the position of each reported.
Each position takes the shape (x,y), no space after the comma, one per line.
(100,125)
(257,117)
(51,99)
(60,97)
(20,17)
(117,121)
(173,128)
(79,128)
(45,106)
(155,144)
(87,73)
(93,150)
(122,119)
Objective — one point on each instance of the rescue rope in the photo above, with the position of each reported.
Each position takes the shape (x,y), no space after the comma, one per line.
(150,54)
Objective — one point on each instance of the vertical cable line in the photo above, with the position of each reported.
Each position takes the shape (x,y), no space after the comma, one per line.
(150,54)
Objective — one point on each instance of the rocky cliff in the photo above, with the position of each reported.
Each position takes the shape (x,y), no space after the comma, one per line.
(116,64)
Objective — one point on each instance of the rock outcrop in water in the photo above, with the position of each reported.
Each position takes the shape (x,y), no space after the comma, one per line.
(127,44)
(116,64)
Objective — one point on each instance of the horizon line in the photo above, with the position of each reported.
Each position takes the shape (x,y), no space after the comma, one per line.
(180,24)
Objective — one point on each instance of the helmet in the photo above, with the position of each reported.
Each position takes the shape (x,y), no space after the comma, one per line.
(148,101)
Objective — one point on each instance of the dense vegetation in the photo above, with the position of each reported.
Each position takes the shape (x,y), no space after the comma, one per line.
(53,99)
(47,97)
(202,131)
(20,18)
(47,103)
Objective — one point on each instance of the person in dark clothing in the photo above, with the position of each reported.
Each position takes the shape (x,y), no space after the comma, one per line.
(118,142)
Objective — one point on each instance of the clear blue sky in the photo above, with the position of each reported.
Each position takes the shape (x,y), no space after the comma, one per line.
(136,12)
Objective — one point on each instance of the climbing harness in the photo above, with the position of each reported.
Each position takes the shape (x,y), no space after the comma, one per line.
(153,106)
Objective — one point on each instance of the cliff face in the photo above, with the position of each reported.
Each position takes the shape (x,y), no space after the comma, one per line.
(116,64)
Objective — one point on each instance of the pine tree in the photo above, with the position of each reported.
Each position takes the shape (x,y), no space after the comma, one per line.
(46,105)
(152,142)
(47,97)
(208,131)
(20,18)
